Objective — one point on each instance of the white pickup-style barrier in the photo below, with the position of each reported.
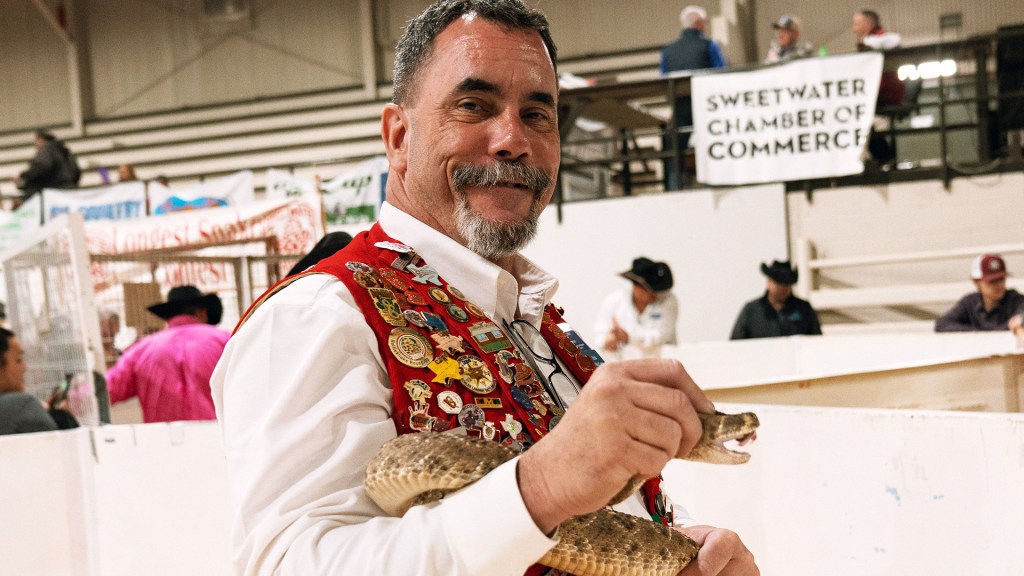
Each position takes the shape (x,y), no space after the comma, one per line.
(835,491)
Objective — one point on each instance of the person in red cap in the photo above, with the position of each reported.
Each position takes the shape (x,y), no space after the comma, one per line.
(992,307)
(170,370)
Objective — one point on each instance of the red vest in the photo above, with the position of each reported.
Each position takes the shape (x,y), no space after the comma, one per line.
(449,364)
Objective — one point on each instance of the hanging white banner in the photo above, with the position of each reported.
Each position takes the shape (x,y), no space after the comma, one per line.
(116,202)
(281,185)
(356,195)
(14,225)
(808,118)
(233,190)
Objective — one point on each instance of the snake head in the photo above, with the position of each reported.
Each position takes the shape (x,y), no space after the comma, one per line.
(720,428)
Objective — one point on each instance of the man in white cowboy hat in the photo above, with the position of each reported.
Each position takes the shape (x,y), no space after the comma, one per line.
(778,312)
(992,307)
(636,321)
(170,370)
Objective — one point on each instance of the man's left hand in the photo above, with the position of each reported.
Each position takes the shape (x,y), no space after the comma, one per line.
(721,553)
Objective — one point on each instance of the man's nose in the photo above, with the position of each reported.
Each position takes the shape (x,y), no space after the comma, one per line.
(510,137)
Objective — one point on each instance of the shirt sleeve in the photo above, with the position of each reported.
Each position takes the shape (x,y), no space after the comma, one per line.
(121,376)
(304,404)
(32,417)
(603,323)
(886,41)
(739,329)
(957,319)
(717,59)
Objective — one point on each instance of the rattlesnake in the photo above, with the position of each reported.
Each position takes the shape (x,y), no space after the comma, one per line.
(420,468)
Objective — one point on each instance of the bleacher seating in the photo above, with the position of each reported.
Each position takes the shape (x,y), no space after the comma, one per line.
(320,133)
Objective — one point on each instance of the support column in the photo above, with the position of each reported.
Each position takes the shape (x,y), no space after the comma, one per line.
(368,47)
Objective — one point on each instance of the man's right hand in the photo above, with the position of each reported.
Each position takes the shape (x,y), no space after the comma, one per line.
(630,419)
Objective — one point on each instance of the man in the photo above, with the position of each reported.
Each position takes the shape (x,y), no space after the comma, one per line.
(635,322)
(53,166)
(992,307)
(170,370)
(777,312)
(787,44)
(867,26)
(321,374)
(691,51)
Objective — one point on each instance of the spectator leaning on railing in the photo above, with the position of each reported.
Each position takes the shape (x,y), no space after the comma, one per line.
(54,166)
(992,307)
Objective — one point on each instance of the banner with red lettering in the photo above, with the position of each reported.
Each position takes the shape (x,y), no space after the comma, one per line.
(293,225)
(807,118)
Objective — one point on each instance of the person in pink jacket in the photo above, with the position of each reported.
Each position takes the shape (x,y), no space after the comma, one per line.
(170,370)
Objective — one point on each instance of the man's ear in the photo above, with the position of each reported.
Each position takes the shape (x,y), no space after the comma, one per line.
(394,128)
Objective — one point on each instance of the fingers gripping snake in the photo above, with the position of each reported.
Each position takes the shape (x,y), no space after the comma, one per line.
(420,468)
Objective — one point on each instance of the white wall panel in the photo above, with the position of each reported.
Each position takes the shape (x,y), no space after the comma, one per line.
(153,56)
(33,69)
(714,241)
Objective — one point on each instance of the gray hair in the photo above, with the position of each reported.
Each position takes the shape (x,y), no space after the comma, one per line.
(414,49)
(691,15)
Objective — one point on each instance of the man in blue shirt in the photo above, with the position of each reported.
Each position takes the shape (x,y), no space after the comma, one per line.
(691,51)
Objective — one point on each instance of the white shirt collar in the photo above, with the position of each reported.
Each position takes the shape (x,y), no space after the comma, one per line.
(497,291)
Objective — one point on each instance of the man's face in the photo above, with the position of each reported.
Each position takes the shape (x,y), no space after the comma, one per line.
(476,146)
(784,37)
(642,296)
(993,290)
(862,25)
(778,291)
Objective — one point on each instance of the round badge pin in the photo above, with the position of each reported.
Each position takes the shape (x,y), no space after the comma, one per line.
(475,374)
(410,347)
(456,312)
(455,292)
(471,416)
(438,295)
(475,310)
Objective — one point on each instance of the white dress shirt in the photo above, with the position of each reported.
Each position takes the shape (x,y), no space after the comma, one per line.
(304,403)
(647,330)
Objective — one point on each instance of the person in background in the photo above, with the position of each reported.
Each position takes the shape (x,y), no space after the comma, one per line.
(170,370)
(787,44)
(126,173)
(19,411)
(326,246)
(426,314)
(636,321)
(54,166)
(992,307)
(778,312)
(867,26)
(691,51)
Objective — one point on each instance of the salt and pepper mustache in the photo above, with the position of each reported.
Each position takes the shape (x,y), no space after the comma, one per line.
(496,240)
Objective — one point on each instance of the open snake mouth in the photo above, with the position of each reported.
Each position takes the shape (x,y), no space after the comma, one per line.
(722,433)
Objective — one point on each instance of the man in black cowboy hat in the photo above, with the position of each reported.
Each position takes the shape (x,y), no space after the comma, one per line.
(640,318)
(777,312)
(170,370)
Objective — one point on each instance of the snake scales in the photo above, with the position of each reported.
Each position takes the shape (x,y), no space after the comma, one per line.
(420,468)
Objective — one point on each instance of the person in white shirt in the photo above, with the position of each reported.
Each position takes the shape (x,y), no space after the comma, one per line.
(636,321)
(303,392)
